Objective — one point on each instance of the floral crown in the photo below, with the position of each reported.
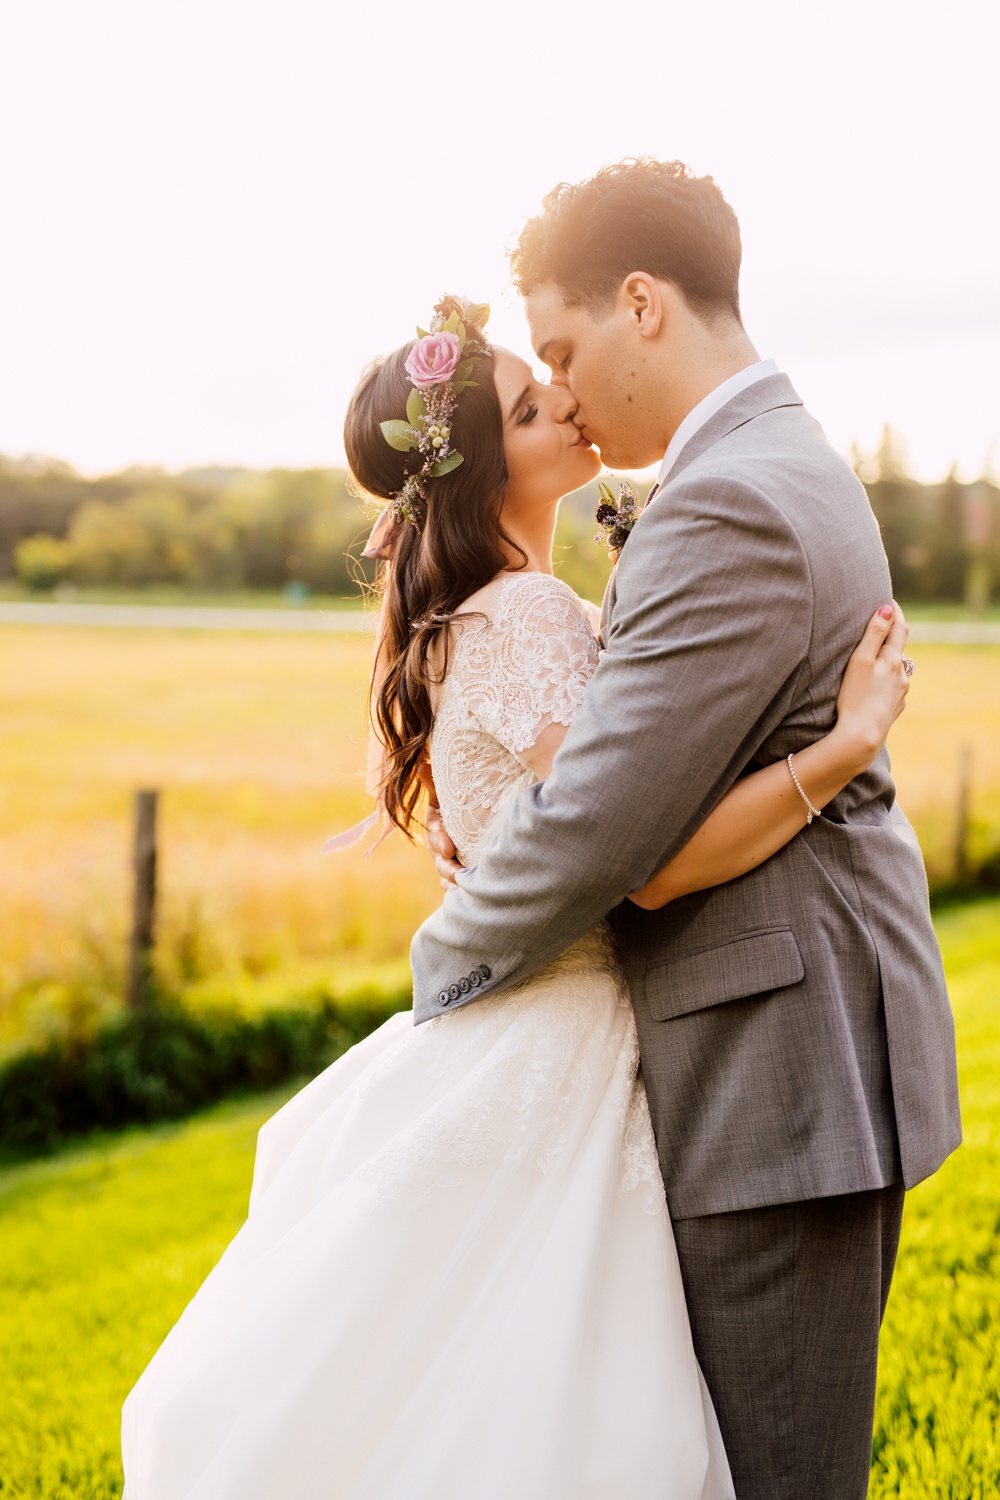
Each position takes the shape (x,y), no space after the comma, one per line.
(440,364)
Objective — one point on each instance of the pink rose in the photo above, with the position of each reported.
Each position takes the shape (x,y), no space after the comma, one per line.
(434,359)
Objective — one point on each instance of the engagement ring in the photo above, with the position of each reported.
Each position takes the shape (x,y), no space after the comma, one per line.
(909,665)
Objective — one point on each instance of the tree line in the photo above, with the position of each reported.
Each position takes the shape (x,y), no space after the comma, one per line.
(218,529)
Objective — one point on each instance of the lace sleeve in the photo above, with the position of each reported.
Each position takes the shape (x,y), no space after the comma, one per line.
(541,654)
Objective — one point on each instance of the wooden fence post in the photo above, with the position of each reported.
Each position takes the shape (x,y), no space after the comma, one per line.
(962,816)
(144,900)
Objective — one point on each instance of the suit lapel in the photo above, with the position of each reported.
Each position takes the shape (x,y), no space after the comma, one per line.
(763,396)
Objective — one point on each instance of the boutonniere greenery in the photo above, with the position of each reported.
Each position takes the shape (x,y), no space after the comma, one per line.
(616,515)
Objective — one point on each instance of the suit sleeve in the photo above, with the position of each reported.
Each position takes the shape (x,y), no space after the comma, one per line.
(707,646)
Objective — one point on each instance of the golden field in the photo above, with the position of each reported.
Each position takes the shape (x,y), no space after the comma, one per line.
(257,742)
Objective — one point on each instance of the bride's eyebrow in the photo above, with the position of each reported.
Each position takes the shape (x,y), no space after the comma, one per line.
(513,411)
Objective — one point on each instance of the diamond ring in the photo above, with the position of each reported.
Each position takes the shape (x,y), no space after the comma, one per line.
(909,665)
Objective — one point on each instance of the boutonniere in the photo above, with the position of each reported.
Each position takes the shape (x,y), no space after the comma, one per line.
(616,515)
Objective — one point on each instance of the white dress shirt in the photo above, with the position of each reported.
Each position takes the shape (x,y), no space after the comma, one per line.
(708,406)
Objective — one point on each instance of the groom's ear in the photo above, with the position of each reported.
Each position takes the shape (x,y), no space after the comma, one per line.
(641,298)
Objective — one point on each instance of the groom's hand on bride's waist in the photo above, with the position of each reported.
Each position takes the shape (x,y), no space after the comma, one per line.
(440,844)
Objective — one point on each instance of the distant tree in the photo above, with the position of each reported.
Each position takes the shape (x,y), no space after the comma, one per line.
(145,540)
(893,495)
(36,495)
(226,528)
(945,571)
(980,517)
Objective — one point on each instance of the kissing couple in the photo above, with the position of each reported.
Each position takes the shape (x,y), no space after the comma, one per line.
(616,1218)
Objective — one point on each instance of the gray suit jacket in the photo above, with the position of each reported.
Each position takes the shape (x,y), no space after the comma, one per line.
(794,1026)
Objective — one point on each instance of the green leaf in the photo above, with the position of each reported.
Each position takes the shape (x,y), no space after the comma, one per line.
(452,323)
(422,333)
(463,371)
(445,465)
(460,330)
(416,407)
(399,435)
(478,312)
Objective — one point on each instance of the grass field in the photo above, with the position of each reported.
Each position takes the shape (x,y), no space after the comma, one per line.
(102,1248)
(258,743)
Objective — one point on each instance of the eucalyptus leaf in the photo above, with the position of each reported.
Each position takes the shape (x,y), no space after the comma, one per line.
(399,435)
(445,465)
(460,330)
(463,371)
(416,407)
(452,323)
(422,333)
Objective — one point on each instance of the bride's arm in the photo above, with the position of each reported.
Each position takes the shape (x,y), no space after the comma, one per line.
(764,811)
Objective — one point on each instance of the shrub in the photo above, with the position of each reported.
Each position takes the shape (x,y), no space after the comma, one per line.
(42,561)
(165,1063)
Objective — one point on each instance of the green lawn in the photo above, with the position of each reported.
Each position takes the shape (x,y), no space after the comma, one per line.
(101,1248)
(939,1388)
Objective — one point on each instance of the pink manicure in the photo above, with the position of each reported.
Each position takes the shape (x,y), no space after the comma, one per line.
(886,611)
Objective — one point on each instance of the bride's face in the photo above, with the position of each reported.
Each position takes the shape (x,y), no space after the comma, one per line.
(547,455)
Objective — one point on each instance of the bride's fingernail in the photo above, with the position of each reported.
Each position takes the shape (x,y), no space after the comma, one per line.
(886,611)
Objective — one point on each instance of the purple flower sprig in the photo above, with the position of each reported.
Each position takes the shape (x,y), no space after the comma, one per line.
(616,515)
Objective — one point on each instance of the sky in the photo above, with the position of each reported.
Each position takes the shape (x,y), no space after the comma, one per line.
(215,213)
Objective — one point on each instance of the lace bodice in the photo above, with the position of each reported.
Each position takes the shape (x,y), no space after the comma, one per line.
(520,660)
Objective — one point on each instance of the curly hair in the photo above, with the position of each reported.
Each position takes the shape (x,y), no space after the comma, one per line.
(637,215)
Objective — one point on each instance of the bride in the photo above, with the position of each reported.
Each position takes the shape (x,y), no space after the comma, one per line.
(458,1279)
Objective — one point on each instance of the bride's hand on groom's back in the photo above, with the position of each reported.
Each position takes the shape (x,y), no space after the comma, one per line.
(873,693)
(438,840)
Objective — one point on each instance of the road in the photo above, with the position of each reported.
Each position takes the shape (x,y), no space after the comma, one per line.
(188,617)
(338,621)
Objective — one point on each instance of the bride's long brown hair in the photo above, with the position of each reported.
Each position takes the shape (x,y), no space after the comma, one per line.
(460,547)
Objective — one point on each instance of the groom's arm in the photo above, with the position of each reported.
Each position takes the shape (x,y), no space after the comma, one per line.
(709,639)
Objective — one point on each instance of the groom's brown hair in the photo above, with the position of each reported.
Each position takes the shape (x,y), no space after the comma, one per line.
(638,215)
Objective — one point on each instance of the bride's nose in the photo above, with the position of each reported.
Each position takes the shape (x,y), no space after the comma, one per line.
(566,406)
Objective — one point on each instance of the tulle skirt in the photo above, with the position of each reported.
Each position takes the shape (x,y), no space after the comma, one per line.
(457,1280)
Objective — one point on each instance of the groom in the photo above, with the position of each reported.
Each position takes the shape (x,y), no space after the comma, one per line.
(796,1039)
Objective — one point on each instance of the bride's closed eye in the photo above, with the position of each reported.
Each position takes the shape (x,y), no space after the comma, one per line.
(529,416)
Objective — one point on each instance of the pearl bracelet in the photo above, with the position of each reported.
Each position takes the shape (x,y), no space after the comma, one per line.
(814,812)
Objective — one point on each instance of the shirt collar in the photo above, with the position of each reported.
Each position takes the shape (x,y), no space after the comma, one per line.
(708,406)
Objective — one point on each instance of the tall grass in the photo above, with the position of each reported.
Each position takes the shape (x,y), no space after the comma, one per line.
(258,745)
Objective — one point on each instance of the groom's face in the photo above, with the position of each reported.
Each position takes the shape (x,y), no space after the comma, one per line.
(598,354)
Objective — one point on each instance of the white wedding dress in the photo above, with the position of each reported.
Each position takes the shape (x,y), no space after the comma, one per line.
(458,1279)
